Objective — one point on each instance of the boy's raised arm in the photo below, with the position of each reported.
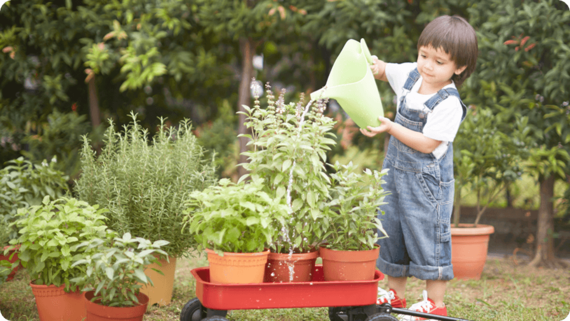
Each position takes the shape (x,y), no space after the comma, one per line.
(378,69)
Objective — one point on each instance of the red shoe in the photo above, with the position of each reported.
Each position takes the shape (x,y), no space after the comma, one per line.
(391,297)
(426,306)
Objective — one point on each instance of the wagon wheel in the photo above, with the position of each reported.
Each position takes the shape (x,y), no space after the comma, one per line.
(193,311)
(381,317)
(338,314)
(215,318)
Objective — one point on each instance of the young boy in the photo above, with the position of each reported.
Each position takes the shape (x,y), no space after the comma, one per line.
(420,159)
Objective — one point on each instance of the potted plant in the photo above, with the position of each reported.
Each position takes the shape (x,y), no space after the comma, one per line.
(287,150)
(115,274)
(144,183)
(8,257)
(487,159)
(350,251)
(236,223)
(23,184)
(50,235)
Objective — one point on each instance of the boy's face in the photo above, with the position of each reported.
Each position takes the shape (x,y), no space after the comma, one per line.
(436,67)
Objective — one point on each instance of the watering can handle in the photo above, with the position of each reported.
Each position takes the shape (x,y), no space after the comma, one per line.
(365,51)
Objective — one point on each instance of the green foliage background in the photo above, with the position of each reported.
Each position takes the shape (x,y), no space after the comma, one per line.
(181,59)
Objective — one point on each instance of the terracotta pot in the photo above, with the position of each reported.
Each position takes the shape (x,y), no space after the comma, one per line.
(237,267)
(469,247)
(279,267)
(14,259)
(161,292)
(349,265)
(97,312)
(54,304)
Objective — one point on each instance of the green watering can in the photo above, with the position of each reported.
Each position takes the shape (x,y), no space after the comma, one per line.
(352,84)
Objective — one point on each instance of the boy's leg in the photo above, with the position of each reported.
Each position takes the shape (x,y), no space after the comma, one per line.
(436,291)
(398,284)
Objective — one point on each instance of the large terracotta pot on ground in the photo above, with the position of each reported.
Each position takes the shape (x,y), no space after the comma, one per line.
(12,260)
(296,267)
(97,312)
(349,265)
(54,304)
(469,247)
(161,292)
(237,267)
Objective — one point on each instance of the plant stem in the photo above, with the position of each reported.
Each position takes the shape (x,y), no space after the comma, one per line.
(480,212)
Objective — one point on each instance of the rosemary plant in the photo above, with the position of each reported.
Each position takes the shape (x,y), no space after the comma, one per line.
(288,151)
(145,184)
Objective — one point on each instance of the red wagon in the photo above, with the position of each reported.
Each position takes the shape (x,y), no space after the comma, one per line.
(347,300)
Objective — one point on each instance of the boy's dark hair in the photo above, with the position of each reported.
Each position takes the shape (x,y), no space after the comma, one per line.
(457,38)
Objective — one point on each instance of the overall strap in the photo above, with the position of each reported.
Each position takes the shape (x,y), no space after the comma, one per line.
(412,78)
(410,82)
(441,95)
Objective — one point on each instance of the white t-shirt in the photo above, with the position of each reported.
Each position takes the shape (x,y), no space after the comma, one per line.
(443,122)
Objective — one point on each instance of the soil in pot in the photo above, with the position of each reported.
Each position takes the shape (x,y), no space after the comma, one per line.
(469,246)
(297,267)
(161,292)
(54,304)
(238,268)
(349,265)
(12,260)
(97,312)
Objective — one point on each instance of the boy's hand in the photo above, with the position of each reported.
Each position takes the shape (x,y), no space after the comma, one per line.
(378,68)
(385,126)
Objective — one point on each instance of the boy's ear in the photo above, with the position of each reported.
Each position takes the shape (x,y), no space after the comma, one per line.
(459,70)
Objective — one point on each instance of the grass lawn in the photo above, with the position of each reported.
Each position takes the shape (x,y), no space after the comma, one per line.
(506,292)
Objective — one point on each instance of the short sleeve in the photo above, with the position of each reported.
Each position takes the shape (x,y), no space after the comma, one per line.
(397,75)
(443,122)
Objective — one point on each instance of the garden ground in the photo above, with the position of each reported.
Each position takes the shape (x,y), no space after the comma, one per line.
(508,291)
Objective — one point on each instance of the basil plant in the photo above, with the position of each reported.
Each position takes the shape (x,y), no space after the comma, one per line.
(50,236)
(115,269)
(351,221)
(288,150)
(237,218)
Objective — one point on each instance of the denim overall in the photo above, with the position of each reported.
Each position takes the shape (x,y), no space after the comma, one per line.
(418,210)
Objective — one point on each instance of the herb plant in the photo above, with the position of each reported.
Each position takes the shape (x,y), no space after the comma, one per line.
(238,218)
(115,270)
(50,235)
(145,182)
(351,220)
(23,184)
(288,150)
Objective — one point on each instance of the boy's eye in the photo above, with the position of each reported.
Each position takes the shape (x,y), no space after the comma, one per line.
(423,56)
(440,63)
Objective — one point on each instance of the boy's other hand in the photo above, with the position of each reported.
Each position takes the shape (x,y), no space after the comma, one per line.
(385,126)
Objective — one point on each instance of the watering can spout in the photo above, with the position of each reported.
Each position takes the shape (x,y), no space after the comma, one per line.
(352,85)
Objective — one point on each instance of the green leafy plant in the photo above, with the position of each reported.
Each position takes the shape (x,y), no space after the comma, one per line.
(50,235)
(144,185)
(115,269)
(23,184)
(488,157)
(238,218)
(351,220)
(288,150)
(5,265)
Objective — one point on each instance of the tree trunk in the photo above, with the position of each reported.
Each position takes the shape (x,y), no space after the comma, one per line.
(544,242)
(94,104)
(247,48)
(457,205)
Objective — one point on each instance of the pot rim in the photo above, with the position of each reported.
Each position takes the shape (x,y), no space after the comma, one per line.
(144,296)
(469,229)
(376,246)
(264,253)
(294,256)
